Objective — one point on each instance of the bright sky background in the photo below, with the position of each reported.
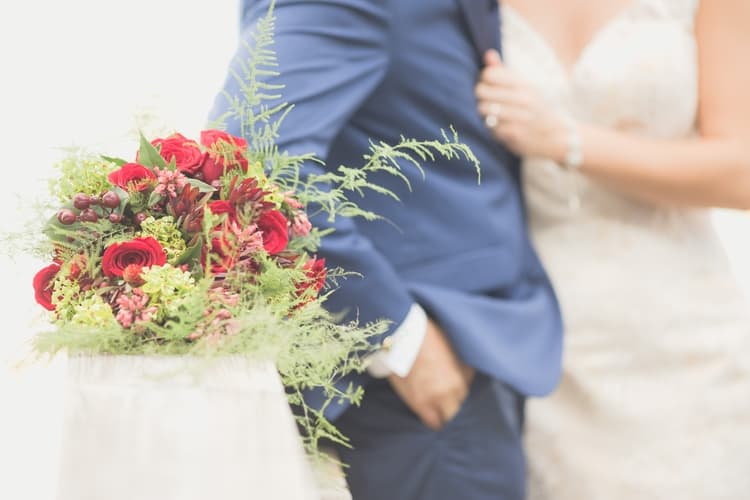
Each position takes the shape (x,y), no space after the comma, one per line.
(78,72)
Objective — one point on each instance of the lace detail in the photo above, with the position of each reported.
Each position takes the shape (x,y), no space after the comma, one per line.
(654,399)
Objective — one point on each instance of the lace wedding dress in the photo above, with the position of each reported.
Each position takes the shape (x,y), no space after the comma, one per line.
(655,397)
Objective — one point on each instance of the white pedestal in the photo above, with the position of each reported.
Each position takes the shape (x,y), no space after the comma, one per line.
(174,428)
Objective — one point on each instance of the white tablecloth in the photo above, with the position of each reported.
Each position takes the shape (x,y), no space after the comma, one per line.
(154,428)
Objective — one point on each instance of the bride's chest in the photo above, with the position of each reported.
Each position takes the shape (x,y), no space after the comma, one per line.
(639,73)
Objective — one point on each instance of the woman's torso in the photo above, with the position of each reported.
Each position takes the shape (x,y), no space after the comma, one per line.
(655,397)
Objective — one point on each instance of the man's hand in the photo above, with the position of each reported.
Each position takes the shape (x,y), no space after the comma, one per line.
(438,382)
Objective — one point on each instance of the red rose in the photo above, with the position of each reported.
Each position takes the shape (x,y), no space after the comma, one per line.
(145,252)
(132,176)
(211,137)
(214,166)
(43,285)
(273,225)
(186,153)
(226,153)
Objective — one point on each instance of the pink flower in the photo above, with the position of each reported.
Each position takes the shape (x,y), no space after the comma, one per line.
(218,321)
(169,182)
(301,224)
(133,309)
(293,202)
(231,244)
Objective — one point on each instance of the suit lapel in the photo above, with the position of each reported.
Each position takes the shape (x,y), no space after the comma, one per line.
(483,21)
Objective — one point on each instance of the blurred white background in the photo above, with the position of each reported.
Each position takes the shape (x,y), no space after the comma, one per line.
(78,72)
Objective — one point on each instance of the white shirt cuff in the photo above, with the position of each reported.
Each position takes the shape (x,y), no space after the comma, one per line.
(403,346)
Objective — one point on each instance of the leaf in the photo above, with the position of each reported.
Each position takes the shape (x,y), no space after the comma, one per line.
(154,198)
(124,199)
(192,253)
(59,232)
(149,156)
(201,186)
(117,161)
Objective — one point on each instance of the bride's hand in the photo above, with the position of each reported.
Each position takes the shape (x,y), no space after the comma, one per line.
(517,115)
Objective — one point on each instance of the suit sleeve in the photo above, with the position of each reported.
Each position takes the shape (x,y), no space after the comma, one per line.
(332,55)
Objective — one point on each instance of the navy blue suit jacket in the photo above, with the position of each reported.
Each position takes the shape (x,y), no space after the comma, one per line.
(361,70)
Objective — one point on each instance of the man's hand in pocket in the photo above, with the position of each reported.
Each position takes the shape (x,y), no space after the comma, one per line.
(438,382)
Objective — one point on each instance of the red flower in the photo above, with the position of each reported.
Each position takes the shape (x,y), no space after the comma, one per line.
(43,285)
(226,153)
(211,137)
(273,225)
(186,153)
(132,176)
(145,252)
(315,269)
(219,207)
(132,274)
(222,255)
(77,266)
(316,272)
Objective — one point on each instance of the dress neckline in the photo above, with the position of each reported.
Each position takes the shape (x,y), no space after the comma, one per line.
(568,72)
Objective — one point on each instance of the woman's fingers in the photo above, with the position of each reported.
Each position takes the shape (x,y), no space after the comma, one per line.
(492,58)
(502,112)
(499,75)
(503,96)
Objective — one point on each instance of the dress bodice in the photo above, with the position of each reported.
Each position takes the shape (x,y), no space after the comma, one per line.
(653,400)
(638,74)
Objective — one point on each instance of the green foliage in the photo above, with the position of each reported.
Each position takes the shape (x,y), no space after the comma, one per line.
(383,158)
(80,172)
(149,156)
(165,231)
(93,312)
(167,286)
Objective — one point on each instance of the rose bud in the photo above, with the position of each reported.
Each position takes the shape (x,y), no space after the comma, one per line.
(66,216)
(110,200)
(81,201)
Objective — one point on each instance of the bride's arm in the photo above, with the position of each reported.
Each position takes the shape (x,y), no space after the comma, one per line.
(710,170)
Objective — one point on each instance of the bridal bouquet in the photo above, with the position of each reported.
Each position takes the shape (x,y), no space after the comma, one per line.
(169,249)
(204,247)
